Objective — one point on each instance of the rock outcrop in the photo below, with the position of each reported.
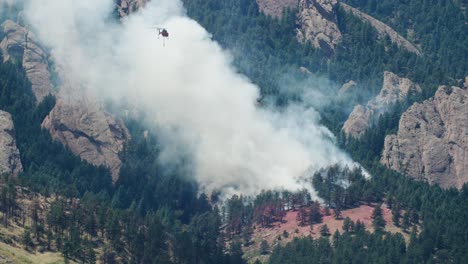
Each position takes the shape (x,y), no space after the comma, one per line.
(318,23)
(20,45)
(432,140)
(394,89)
(81,125)
(275,8)
(10,162)
(383,29)
(126,7)
(348,87)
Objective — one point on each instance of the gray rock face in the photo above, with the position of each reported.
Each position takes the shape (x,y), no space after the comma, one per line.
(126,7)
(432,140)
(382,29)
(358,121)
(81,125)
(10,162)
(20,45)
(275,8)
(347,87)
(318,24)
(394,89)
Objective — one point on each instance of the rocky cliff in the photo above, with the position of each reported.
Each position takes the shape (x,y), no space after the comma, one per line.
(432,140)
(318,23)
(382,29)
(275,8)
(20,45)
(80,124)
(348,87)
(394,89)
(126,7)
(78,121)
(10,162)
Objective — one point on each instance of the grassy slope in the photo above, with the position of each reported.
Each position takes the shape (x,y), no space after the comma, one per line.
(13,252)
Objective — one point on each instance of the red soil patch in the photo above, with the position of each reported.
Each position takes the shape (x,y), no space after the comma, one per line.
(291,226)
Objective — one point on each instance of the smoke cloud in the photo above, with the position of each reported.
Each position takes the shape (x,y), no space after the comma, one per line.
(189,90)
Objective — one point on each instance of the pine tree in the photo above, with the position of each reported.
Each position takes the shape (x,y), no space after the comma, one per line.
(336,238)
(264,247)
(315,216)
(324,231)
(247,232)
(90,255)
(337,212)
(396,215)
(414,216)
(378,222)
(302,216)
(406,221)
(359,227)
(347,225)
(26,239)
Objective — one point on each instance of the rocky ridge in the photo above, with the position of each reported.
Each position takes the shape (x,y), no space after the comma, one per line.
(394,89)
(79,123)
(21,45)
(318,23)
(383,29)
(348,87)
(275,8)
(432,140)
(10,162)
(126,7)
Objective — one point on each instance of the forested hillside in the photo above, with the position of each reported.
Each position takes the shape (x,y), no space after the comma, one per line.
(144,218)
(361,58)
(266,49)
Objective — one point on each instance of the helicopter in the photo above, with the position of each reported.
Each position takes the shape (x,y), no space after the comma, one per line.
(162,32)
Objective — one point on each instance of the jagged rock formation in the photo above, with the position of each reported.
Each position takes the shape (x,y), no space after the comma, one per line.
(275,8)
(358,121)
(81,125)
(432,140)
(10,162)
(20,45)
(382,29)
(126,7)
(347,87)
(318,24)
(394,89)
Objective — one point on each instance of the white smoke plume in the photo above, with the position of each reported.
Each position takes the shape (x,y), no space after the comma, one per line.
(9,2)
(189,89)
